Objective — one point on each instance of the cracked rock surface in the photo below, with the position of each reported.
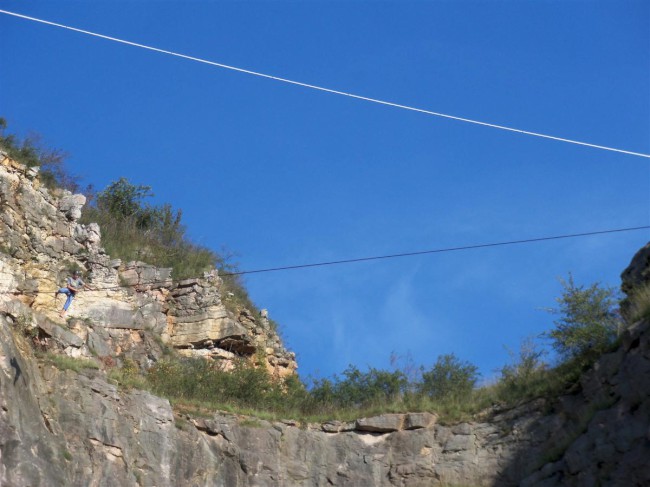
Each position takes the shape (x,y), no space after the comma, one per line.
(62,428)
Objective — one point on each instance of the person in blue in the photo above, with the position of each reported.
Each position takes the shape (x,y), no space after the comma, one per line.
(73,285)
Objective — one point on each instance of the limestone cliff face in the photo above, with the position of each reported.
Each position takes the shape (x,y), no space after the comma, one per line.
(67,429)
(135,303)
(77,429)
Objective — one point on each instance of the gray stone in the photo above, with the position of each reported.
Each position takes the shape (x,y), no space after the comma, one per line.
(114,317)
(460,443)
(638,272)
(187,282)
(61,335)
(381,424)
(338,426)
(420,420)
(71,205)
(462,429)
(98,344)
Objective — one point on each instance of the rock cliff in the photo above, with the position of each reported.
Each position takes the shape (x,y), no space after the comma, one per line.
(62,428)
(134,303)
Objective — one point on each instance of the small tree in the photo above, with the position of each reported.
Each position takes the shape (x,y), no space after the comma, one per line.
(122,199)
(449,378)
(588,322)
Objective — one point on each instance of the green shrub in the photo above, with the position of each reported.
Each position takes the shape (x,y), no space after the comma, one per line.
(134,230)
(359,389)
(588,322)
(128,375)
(122,199)
(449,378)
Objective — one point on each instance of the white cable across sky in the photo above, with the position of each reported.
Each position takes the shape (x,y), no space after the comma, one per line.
(320,88)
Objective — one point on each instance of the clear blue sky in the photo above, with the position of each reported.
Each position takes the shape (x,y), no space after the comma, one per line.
(284,175)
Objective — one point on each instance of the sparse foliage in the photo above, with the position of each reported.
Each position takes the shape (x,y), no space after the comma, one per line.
(63,362)
(588,322)
(203,380)
(525,376)
(31,151)
(638,307)
(449,378)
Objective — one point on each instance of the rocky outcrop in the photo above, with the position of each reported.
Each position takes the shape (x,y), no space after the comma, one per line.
(638,272)
(598,433)
(133,305)
(634,279)
(64,428)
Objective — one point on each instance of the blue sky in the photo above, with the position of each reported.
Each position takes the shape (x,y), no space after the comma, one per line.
(284,175)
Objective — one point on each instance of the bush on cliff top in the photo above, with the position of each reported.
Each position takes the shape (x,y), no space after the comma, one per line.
(448,387)
(248,387)
(588,323)
(131,228)
(31,152)
(449,378)
(359,389)
(135,230)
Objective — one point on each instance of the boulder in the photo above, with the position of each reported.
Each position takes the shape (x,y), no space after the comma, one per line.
(420,420)
(71,205)
(381,424)
(61,335)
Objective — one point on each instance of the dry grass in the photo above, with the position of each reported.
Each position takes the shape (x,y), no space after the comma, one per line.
(640,303)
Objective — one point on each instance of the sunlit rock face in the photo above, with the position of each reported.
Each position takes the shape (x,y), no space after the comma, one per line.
(135,303)
(69,429)
(62,428)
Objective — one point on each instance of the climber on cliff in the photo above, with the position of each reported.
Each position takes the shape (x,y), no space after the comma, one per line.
(73,284)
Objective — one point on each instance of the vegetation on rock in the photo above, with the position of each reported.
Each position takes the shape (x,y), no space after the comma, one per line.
(131,228)
(639,303)
(449,378)
(135,230)
(63,362)
(587,326)
(588,322)
(32,152)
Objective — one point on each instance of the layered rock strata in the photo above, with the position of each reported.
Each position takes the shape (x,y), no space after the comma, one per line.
(134,303)
(68,429)
(61,428)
